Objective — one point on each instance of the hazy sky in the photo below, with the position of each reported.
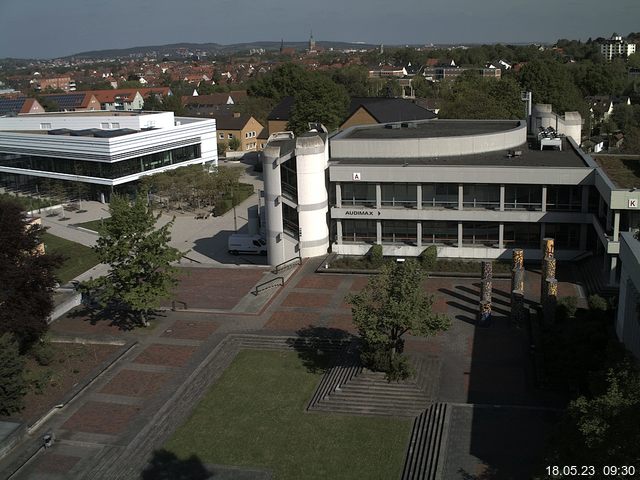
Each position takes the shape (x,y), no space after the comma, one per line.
(45,29)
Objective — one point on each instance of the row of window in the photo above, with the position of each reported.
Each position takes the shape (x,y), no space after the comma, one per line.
(446,195)
(100,169)
(526,235)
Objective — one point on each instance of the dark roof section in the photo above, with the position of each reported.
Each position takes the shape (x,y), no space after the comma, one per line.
(282,110)
(529,157)
(66,101)
(386,110)
(231,122)
(435,128)
(12,105)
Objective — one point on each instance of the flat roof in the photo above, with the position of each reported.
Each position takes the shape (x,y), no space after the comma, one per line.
(623,170)
(90,113)
(530,157)
(431,129)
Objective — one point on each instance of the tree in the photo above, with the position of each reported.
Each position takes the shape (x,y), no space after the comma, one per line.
(12,384)
(139,258)
(392,304)
(321,100)
(234,144)
(26,277)
(354,78)
(603,428)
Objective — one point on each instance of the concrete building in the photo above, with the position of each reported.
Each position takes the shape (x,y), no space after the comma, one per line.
(616,46)
(476,189)
(628,319)
(102,149)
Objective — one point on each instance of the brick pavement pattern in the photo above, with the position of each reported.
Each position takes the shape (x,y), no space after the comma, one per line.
(135,383)
(101,417)
(170,355)
(54,463)
(190,329)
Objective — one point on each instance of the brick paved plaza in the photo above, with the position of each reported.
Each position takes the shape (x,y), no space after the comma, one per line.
(485,366)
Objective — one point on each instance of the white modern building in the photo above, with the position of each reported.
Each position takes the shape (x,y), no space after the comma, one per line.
(616,46)
(474,188)
(103,149)
(628,320)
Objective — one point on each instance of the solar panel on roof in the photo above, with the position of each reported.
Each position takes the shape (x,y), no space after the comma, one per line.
(11,105)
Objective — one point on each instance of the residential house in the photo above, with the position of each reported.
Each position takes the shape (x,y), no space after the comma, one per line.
(19,105)
(374,110)
(57,83)
(125,100)
(243,127)
(73,102)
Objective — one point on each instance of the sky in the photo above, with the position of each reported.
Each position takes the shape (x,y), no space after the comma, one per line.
(49,29)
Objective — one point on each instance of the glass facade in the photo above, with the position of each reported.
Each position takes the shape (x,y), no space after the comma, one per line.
(100,169)
(290,221)
(439,195)
(564,198)
(399,231)
(521,235)
(403,195)
(359,194)
(434,232)
(480,233)
(359,231)
(289,179)
(565,235)
(481,196)
(523,197)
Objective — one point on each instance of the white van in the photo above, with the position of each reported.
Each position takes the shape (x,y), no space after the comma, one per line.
(253,244)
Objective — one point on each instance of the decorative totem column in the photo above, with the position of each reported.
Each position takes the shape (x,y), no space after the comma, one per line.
(517,278)
(550,300)
(548,249)
(486,285)
(517,308)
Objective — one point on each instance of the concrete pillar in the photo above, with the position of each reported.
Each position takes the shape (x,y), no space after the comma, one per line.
(612,270)
(609,218)
(338,195)
(583,237)
(419,234)
(584,204)
(273,206)
(339,232)
(459,234)
(544,198)
(460,196)
(502,196)
(419,196)
(622,302)
(378,232)
(616,226)
(378,196)
(501,235)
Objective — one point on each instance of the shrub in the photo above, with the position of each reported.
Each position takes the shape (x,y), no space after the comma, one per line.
(43,353)
(379,359)
(429,257)
(597,303)
(375,255)
(566,308)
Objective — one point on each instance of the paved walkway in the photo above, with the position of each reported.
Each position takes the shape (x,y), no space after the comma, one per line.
(479,367)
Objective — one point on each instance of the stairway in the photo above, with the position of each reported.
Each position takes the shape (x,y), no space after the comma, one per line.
(594,278)
(428,440)
(353,390)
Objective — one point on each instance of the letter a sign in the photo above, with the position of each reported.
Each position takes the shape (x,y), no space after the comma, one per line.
(355,176)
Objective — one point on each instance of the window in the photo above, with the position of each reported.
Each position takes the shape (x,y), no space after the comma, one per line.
(522,235)
(439,232)
(481,196)
(115,125)
(221,136)
(359,231)
(481,233)
(104,125)
(399,195)
(523,197)
(45,126)
(399,231)
(564,198)
(439,195)
(359,194)
(565,235)
(230,135)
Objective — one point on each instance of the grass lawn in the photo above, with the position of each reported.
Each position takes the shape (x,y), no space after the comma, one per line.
(91,225)
(79,258)
(254,416)
(623,171)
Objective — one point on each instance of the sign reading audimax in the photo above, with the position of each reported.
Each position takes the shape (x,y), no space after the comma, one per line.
(361,213)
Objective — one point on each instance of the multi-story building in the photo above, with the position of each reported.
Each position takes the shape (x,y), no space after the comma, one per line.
(245,128)
(66,84)
(475,189)
(616,46)
(105,150)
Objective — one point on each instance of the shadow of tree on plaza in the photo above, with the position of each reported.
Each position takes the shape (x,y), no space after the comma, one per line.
(323,347)
(167,466)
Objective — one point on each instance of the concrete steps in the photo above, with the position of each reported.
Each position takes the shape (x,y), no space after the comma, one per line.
(427,443)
